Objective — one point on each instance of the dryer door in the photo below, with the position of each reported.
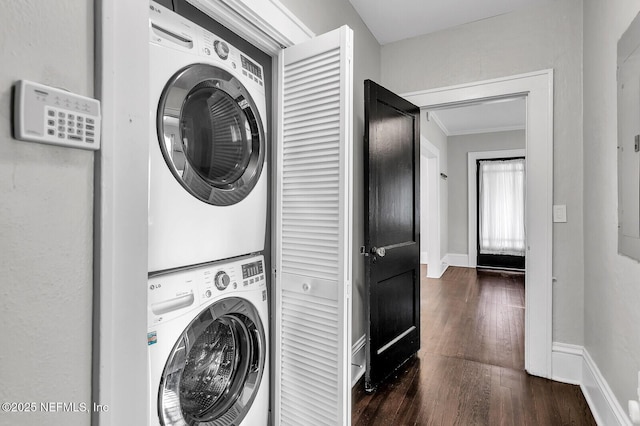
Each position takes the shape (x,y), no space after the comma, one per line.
(214,370)
(211,134)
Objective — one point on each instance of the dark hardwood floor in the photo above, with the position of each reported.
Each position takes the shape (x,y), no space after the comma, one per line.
(470,368)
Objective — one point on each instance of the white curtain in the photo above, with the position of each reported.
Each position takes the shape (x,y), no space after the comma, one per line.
(501,207)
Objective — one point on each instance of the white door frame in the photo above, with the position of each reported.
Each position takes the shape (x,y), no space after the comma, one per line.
(472,181)
(432,155)
(538,89)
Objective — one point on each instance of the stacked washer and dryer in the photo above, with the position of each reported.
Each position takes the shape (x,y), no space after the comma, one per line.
(207,293)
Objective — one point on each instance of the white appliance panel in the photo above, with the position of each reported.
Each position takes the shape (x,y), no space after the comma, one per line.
(183,230)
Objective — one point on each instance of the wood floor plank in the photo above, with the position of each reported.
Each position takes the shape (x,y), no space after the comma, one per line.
(470,368)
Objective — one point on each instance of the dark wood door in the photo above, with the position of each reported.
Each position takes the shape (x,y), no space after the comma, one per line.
(392,231)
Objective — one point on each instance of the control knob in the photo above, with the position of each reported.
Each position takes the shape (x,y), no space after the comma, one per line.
(222,280)
(221,48)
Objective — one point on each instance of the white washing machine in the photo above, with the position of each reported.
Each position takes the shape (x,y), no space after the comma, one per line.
(208,345)
(207,170)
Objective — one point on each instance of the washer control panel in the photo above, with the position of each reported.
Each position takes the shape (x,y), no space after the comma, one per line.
(252,273)
(175,293)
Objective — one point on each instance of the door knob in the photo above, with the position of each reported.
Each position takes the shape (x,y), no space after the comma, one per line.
(380,251)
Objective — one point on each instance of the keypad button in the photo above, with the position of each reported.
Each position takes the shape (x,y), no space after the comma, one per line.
(80,119)
(90,121)
(61,114)
(71,123)
(89,126)
(75,138)
(71,117)
(79,131)
(61,122)
(51,113)
(61,135)
(51,122)
(70,130)
(90,134)
(51,132)
(79,125)
(61,129)
(90,140)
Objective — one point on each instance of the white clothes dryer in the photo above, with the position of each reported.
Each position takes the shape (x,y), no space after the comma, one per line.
(208,345)
(207,170)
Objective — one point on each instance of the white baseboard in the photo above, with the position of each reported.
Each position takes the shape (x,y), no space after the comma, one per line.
(455,259)
(566,363)
(604,404)
(573,364)
(437,272)
(358,360)
(444,264)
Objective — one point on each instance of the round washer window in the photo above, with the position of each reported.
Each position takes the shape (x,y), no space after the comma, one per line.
(211,134)
(215,368)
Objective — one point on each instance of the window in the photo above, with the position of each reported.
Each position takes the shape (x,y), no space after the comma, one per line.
(501,185)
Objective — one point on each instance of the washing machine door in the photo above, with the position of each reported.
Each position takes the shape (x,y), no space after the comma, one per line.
(214,370)
(211,134)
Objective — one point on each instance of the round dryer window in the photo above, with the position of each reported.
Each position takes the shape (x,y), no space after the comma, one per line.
(214,370)
(211,134)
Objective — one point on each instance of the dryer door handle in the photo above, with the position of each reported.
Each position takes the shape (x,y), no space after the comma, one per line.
(172,304)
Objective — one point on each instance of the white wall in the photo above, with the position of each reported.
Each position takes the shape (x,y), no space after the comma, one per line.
(612,286)
(46,214)
(435,135)
(458,150)
(424,208)
(540,38)
(320,17)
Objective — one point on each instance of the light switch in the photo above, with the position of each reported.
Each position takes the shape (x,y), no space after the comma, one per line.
(560,213)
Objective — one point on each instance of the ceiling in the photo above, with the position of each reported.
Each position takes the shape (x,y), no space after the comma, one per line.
(391,21)
(492,116)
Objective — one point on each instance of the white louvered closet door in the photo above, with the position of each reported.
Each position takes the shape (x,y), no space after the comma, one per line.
(314,237)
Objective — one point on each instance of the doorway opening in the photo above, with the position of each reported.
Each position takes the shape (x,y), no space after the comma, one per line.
(536,89)
(462,135)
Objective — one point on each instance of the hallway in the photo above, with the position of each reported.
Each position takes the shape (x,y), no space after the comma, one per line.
(470,368)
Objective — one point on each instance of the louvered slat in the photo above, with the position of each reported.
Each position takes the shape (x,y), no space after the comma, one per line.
(310,356)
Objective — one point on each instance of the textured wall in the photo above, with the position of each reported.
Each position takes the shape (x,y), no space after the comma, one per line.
(325,16)
(535,39)
(612,286)
(458,148)
(46,213)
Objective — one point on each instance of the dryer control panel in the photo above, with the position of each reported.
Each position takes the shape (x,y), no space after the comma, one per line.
(173,31)
(177,293)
